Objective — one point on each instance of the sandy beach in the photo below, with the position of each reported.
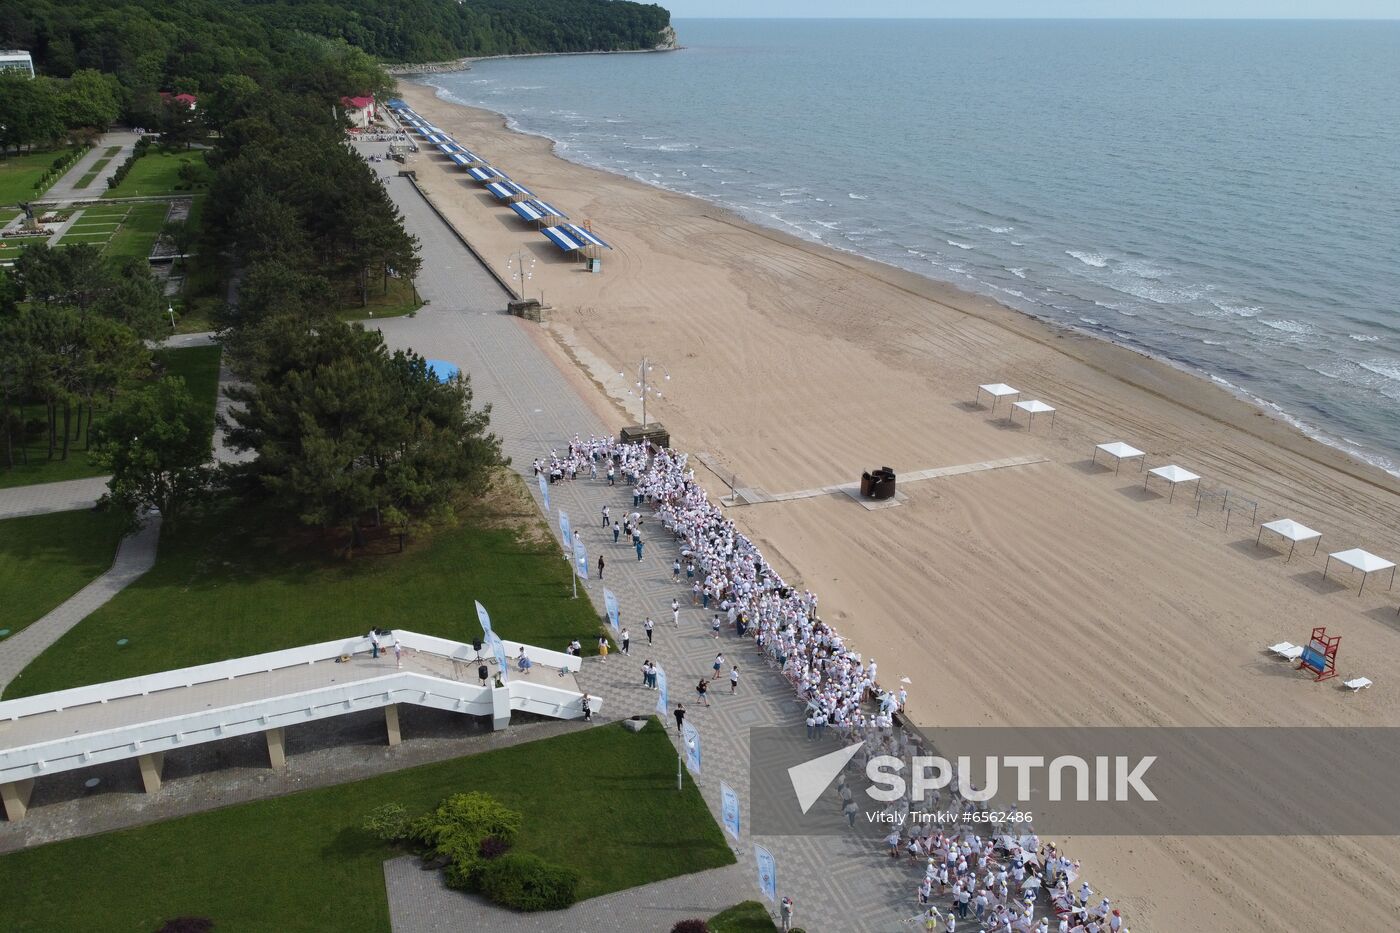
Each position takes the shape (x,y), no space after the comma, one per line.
(1057,593)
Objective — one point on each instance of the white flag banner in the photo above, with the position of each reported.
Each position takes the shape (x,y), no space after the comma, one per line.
(484,617)
(566,530)
(767,873)
(690,738)
(544,491)
(581,557)
(661,706)
(610,602)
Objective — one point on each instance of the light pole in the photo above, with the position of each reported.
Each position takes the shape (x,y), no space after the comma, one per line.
(522,266)
(644,385)
(170,309)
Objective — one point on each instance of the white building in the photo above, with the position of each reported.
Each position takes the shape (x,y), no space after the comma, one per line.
(17,60)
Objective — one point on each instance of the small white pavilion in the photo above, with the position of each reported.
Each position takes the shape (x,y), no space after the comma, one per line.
(997,390)
(1174,475)
(1119,451)
(1365,561)
(1032,408)
(1292,531)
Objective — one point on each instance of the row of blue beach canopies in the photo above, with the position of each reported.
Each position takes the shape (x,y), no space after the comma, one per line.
(553,223)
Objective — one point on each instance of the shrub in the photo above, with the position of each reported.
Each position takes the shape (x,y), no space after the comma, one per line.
(458,824)
(691,926)
(528,882)
(187,925)
(388,823)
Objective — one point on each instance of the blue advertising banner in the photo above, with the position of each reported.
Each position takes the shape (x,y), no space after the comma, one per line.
(581,557)
(485,618)
(544,491)
(610,603)
(690,737)
(566,530)
(498,648)
(661,705)
(767,873)
(729,809)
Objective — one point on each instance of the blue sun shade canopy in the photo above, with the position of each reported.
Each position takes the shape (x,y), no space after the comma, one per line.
(443,370)
(535,209)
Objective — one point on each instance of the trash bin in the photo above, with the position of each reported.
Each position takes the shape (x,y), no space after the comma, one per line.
(595,265)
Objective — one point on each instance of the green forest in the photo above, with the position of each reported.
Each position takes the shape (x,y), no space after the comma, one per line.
(142,41)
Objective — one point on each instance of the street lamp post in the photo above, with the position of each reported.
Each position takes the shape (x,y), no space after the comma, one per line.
(522,266)
(170,309)
(644,385)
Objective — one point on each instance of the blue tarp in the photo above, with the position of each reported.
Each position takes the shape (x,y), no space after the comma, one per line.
(443,369)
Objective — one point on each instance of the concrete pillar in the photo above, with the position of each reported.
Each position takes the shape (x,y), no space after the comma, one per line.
(150,770)
(276,748)
(391,722)
(500,708)
(16,798)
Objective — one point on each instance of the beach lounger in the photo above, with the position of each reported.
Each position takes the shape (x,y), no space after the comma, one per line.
(1357,684)
(1287,650)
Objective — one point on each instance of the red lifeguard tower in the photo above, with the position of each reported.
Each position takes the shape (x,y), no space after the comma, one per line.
(1320,656)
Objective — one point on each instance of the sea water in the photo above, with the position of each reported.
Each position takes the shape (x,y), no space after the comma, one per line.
(1223,195)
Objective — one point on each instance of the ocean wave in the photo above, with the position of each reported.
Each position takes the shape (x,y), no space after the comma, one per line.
(1390,369)
(1290,327)
(991,229)
(1019,273)
(1097,260)
(856,197)
(1235,309)
(959,245)
(1364,338)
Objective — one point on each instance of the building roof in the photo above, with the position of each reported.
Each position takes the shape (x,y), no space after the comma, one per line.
(359,103)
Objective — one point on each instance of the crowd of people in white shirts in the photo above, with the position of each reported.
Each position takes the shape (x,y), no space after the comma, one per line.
(993,883)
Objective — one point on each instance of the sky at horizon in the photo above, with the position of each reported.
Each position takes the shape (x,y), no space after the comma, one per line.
(1036,9)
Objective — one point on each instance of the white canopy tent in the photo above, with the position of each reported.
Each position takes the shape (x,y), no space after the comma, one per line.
(997,390)
(1172,474)
(1365,561)
(1293,531)
(1032,408)
(1119,451)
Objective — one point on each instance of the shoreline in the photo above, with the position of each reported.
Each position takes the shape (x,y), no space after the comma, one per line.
(1326,450)
(456,66)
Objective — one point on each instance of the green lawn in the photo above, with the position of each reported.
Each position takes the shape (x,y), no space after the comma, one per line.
(199,366)
(44,559)
(602,801)
(19,173)
(138,232)
(226,583)
(748,917)
(158,173)
(398,299)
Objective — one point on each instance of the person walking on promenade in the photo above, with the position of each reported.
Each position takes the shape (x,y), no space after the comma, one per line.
(637,541)
(680,716)
(601,564)
(626,640)
(701,691)
(719,663)
(617,531)
(398,652)
(676,570)
(603,648)
(676,612)
(373,644)
(647,626)
(734,680)
(785,914)
(606,521)
(612,474)
(587,708)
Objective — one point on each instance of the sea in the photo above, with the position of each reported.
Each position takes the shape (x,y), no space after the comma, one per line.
(1223,195)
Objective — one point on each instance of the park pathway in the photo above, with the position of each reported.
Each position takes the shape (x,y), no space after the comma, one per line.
(42,498)
(66,188)
(838,882)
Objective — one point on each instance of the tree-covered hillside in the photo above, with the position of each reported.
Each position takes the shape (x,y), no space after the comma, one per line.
(141,40)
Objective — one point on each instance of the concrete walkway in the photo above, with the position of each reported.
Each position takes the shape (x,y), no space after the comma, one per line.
(66,188)
(419,902)
(838,882)
(42,498)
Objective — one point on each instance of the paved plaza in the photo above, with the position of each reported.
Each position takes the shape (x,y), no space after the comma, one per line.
(838,882)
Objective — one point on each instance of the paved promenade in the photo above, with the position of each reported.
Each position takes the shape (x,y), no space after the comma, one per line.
(838,882)
(419,902)
(42,498)
(66,188)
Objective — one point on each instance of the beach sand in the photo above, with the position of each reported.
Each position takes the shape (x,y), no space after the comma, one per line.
(1050,594)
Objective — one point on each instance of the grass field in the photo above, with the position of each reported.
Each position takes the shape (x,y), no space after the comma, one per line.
(44,559)
(226,583)
(158,173)
(138,232)
(395,301)
(198,365)
(602,801)
(18,174)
